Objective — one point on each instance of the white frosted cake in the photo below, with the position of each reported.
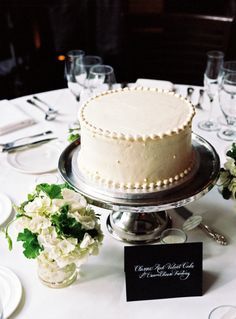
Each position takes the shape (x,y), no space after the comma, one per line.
(136,138)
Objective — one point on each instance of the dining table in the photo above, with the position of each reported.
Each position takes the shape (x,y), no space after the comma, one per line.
(100,289)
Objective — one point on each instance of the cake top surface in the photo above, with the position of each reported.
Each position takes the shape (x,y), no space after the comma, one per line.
(138,112)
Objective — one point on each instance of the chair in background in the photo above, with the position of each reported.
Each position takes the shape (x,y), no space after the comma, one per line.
(173,46)
(186,39)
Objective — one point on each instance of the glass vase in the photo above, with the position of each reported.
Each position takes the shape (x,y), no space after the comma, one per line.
(53,276)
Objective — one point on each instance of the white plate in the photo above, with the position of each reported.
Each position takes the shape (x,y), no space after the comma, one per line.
(5,208)
(165,85)
(10,290)
(36,160)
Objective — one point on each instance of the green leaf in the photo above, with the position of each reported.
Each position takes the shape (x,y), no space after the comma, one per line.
(232,152)
(31,245)
(52,190)
(226,193)
(7,236)
(9,240)
(73,137)
(68,226)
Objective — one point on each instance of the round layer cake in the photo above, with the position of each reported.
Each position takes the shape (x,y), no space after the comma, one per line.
(136,138)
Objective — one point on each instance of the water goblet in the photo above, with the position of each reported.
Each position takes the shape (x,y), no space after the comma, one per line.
(223,312)
(1,309)
(101,78)
(84,65)
(227,100)
(73,71)
(211,77)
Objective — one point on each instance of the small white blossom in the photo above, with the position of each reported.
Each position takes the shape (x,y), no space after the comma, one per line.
(66,246)
(232,187)
(48,237)
(22,223)
(87,241)
(38,223)
(229,165)
(39,205)
(87,221)
(74,199)
(224,178)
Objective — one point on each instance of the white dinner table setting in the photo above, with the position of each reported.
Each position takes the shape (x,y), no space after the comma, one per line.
(100,289)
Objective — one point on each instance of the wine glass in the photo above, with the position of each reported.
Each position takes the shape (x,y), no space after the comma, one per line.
(73,70)
(101,78)
(1,308)
(211,75)
(84,65)
(223,311)
(227,100)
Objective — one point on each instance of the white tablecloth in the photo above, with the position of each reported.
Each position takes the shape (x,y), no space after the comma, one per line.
(100,291)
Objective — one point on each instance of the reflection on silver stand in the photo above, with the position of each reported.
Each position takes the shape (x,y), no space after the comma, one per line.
(139,216)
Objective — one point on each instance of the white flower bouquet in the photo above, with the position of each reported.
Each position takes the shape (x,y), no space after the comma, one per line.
(56,225)
(227,177)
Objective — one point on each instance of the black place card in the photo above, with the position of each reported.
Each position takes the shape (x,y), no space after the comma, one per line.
(163,271)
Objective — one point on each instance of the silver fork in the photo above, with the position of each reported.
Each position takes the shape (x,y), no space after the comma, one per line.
(10,144)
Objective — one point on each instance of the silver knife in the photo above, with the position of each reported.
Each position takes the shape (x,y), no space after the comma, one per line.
(27,145)
(185,213)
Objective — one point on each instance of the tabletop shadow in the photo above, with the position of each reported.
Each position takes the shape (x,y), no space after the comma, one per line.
(209,279)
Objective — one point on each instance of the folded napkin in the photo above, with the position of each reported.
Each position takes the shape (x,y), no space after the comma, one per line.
(165,85)
(12,118)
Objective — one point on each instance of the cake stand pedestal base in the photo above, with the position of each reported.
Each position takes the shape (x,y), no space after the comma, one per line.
(137,228)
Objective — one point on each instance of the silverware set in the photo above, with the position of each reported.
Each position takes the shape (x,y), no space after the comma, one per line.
(49,114)
(14,145)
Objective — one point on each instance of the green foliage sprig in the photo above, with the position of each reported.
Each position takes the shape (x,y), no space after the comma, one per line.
(227,179)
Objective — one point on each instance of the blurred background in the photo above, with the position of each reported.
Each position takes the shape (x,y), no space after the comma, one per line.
(155,39)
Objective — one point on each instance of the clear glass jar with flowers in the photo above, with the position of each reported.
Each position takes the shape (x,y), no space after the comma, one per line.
(59,229)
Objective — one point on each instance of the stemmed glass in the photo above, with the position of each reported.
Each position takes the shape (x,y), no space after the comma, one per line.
(101,78)
(83,66)
(214,63)
(1,309)
(227,100)
(223,312)
(73,70)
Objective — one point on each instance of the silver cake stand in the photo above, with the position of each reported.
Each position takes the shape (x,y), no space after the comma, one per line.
(140,216)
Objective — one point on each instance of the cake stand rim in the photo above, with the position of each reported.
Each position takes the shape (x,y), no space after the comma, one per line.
(147,201)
